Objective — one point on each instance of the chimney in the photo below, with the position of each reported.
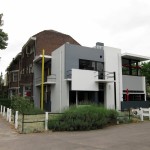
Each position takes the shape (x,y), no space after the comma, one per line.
(99,45)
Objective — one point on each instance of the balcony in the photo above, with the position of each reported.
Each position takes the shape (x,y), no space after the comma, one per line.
(26,78)
(88,80)
(133,83)
(51,79)
(98,76)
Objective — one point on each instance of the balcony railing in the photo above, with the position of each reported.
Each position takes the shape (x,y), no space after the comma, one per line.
(51,79)
(101,74)
(26,78)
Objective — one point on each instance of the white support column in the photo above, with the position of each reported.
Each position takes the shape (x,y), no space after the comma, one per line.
(46,121)
(149,113)
(7,114)
(16,120)
(1,109)
(9,119)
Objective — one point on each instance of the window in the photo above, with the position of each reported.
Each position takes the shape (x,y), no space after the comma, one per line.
(32,49)
(27,70)
(92,65)
(134,97)
(130,67)
(23,71)
(86,64)
(22,54)
(30,68)
(15,76)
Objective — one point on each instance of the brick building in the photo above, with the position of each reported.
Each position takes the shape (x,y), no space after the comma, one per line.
(13,78)
(20,70)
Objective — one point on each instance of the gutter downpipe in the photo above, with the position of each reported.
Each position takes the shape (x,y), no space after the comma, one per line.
(60,80)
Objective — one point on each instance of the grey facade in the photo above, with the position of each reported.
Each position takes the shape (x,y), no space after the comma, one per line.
(74,52)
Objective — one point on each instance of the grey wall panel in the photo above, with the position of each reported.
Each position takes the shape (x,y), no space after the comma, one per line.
(135,83)
(74,52)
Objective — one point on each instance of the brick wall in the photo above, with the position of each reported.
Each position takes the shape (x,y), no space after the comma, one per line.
(50,40)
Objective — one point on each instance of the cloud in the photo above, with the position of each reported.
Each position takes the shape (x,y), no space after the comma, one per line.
(119,23)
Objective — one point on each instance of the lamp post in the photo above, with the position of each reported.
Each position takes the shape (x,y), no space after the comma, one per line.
(115,89)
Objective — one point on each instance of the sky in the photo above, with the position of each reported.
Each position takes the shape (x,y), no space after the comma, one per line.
(123,24)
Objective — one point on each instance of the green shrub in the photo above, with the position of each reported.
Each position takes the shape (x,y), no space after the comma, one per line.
(24,105)
(21,104)
(123,117)
(34,110)
(83,118)
(5,102)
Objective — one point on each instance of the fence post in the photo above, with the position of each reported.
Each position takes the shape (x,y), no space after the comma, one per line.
(3,111)
(22,122)
(129,113)
(141,114)
(149,113)
(9,119)
(46,121)
(7,115)
(16,120)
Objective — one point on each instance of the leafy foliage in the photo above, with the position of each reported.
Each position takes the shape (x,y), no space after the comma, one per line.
(5,102)
(83,118)
(145,71)
(24,105)
(21,104)
(3,35)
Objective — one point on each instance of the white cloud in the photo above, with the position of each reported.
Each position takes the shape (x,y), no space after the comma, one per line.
(119,23)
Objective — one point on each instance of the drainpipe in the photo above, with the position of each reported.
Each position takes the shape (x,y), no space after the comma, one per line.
(60,80)
(115,89)
(76,98)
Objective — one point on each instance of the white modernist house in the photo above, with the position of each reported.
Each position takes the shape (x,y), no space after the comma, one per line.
(77,74)
(134,85)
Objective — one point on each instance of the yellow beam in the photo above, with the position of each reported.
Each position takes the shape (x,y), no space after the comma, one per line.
(42,82)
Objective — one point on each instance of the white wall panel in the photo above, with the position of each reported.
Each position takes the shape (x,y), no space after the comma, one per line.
(84,80)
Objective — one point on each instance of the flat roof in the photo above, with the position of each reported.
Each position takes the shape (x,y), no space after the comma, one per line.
(135,57)
(39,58)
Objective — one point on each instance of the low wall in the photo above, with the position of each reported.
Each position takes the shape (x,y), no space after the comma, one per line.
(134,104)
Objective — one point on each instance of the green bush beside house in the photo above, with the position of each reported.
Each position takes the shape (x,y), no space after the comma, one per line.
(24,105)
(5,102)
(83,118)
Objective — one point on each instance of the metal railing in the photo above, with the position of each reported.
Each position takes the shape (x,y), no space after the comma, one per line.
(49,79)
(101,74)
(105,74)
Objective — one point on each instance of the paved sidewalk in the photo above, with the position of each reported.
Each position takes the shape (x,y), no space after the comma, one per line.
(120,137)
(6,131)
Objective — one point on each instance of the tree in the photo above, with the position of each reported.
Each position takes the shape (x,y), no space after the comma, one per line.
(145,71)
(3,35)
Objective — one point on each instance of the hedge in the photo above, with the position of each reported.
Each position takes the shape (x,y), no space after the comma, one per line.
(83,118)
(5,102)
